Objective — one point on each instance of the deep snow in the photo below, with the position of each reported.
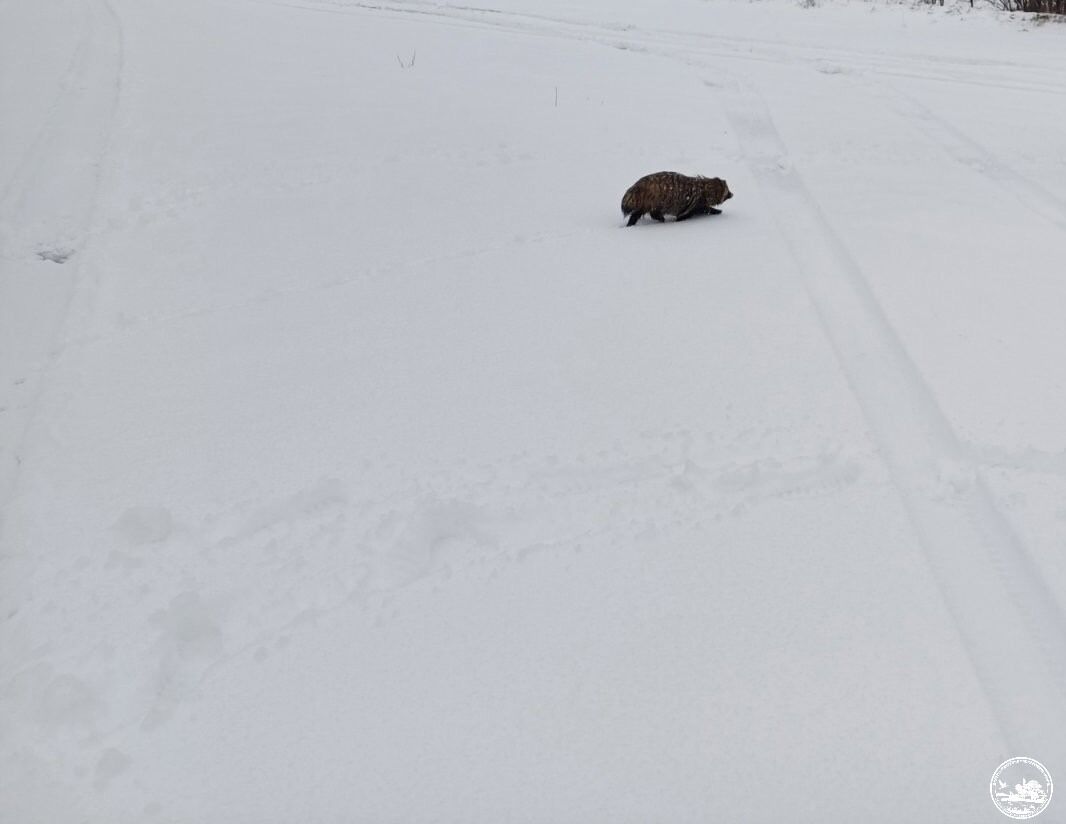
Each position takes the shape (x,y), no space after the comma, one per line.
(357,466)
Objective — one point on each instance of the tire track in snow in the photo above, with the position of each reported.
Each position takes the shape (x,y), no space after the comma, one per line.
(49,196)
(1008,620)
(963,149)
(30,161)
(692,46)
(45,214)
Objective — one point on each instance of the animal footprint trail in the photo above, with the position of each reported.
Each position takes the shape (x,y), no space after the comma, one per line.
(335,548)
(799,477)
(436,536)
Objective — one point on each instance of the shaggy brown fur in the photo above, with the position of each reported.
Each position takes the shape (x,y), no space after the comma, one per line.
(670,193)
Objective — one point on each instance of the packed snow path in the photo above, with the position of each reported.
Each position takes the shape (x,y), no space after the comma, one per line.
(356,464)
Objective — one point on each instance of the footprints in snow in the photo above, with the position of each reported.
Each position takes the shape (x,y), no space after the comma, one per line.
(334,543)
(141,525)
(442,520)
(240,583)
(58,254)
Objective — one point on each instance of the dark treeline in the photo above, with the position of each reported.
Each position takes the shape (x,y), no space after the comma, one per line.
(1038,6)
(1044,6)
(1035,6)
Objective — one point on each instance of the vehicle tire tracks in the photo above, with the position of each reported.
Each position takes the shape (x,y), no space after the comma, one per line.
(966,151)
(1008,620)
(46,214)
(688,46)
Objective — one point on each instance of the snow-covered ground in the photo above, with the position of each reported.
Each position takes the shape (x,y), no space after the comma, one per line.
(357,466)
